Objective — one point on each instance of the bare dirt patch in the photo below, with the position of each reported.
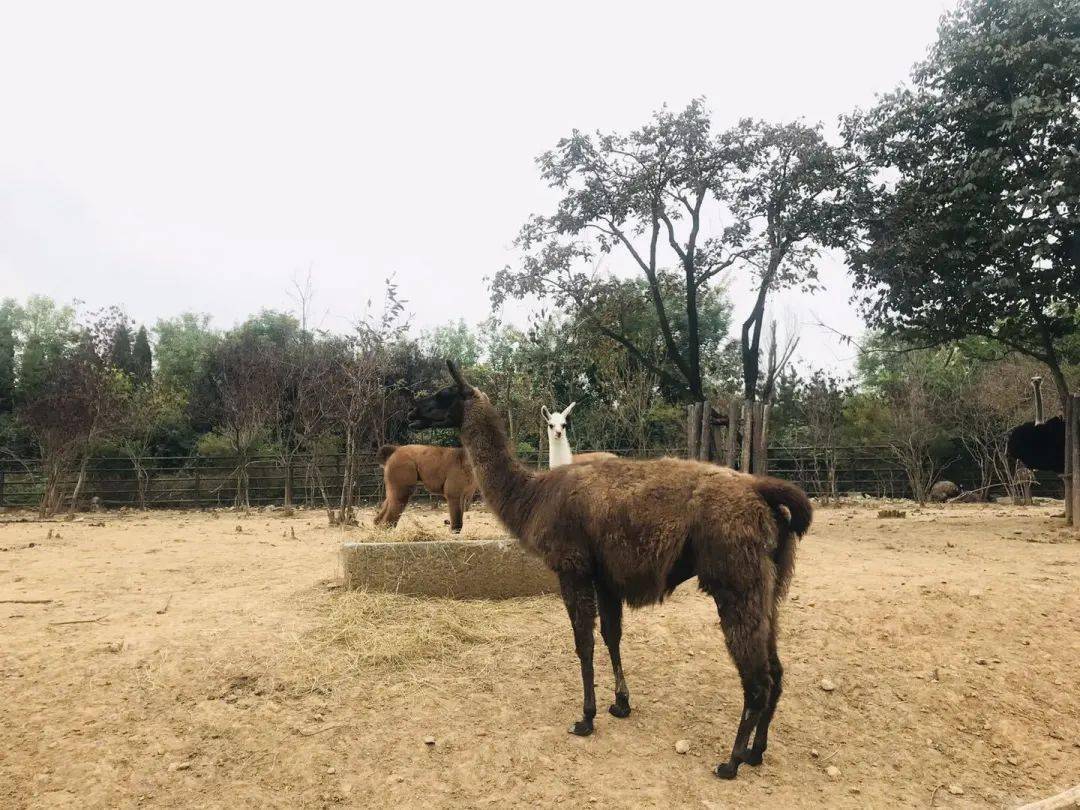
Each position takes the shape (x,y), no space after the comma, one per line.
(218,667)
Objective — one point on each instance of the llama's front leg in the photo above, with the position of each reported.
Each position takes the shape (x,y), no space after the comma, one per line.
(453,502)
(611,629)
(580,597)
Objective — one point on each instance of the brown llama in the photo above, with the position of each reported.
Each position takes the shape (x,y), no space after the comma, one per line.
(442,470)
(617,530)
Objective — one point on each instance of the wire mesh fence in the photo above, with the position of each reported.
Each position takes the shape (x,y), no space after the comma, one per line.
(201,482)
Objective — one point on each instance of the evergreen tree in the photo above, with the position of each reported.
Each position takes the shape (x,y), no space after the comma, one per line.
(120,347)
(141,358)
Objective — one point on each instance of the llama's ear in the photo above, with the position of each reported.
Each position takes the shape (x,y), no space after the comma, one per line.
(455,372)
(569,408)
(544,412)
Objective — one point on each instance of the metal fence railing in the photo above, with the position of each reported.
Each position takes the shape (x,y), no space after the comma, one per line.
(199,482)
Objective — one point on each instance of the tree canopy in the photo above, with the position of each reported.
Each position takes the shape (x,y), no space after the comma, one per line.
(971,223)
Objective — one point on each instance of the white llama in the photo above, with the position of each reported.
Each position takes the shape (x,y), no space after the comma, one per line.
(558,442)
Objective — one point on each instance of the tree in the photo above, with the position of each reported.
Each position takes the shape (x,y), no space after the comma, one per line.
(787,196)
(641,194)
(142,359)
(46,332)
(970,226)
(822,402)
(148,411)
(9,316)
(913,390)
(119,348)
(452,340)
(76,403)
(183,345)
(240,396)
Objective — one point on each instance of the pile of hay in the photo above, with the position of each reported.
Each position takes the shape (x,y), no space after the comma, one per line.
(373,635)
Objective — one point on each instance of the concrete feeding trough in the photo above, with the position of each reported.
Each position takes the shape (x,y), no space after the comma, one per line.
(459,569)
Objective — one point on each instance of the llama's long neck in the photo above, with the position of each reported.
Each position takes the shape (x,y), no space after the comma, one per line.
(507,486)
(559,451)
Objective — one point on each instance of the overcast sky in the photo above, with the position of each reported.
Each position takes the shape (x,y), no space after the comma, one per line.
(195,156)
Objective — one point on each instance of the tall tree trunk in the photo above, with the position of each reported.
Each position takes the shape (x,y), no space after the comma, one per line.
(79,482)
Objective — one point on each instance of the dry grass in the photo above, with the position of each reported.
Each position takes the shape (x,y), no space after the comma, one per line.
(379,635)
(417,529)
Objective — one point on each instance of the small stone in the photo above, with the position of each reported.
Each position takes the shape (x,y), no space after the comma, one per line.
(833,772)
(814,753)
(179,766)
(956,790)
(974,592)
(827,685)
(981,662)
(331,770)
(682,747)
(1012,760)
(429,740)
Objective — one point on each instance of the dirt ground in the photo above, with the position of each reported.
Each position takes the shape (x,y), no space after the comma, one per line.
(211,660)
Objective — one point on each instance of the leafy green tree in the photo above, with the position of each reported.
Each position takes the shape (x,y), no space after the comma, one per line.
(452,340)
(183,346)
(142,358)
(650,195)
(971,226)
(642,194)
(9,316)
(46,332)
(787,196)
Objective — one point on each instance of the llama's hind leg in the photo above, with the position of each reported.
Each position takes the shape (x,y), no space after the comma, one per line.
(776,672)
(579,594)
(395,505)
(746,628)
(611,629)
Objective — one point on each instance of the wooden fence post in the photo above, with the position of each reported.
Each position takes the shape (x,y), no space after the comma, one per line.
(1067,476)
(705,436)
(693,429)
(761,438)
(1073,449)
(733,433)
(747,434)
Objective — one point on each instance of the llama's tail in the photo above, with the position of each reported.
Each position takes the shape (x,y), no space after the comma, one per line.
(800,512)
(384,452)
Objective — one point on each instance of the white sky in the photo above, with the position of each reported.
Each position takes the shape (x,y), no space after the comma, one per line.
(195,156)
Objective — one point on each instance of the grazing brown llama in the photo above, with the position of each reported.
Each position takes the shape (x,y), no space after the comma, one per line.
(617,531)
(442,470)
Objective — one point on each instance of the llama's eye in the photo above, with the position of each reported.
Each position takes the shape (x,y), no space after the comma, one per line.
(550,425)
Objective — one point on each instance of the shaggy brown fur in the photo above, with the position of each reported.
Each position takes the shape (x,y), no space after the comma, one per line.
(617,531)
(442,470)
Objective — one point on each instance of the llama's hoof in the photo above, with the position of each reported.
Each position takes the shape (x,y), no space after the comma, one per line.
(582,728)
(727,770)
(621,706)
(752,757)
